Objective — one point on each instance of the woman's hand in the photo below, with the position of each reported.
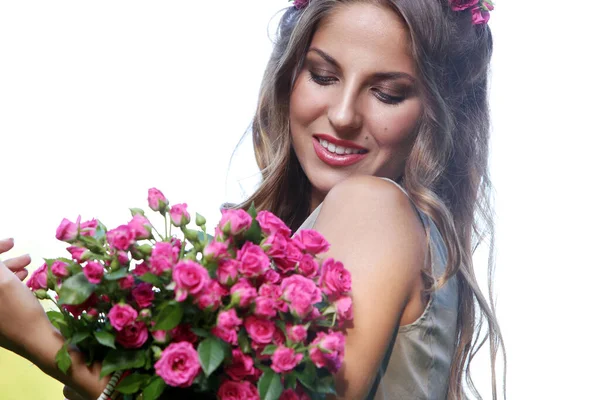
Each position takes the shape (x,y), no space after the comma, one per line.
(20,312)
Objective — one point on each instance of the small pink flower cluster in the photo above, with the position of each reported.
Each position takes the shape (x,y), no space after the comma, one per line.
(480,9)
(261,295)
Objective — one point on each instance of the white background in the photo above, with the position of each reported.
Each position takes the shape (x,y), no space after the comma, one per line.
(101,100)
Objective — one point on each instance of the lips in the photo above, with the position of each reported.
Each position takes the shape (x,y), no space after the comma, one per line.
(351,154)
(339,142)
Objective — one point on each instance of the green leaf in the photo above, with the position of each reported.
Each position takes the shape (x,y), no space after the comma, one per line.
(100,231)
(289,380)
(154,389)
(325,385)
(200,332)
(132,383)
(244,342)
(75,290)
(63,358)
(254,233)
(113,276)
(169,317)
(79,337)
(308,375)
(105,338)
(55,316)
(204,236)
(151,278)
(212,353)
(269,350)
(117,360)
(252,211)
(135,211)
(269,386)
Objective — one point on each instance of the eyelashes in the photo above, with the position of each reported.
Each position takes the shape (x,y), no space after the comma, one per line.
(386,98)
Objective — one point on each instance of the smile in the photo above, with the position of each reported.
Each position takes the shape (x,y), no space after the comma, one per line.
(337,155)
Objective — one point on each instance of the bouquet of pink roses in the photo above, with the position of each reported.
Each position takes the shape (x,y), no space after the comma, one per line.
(249,313)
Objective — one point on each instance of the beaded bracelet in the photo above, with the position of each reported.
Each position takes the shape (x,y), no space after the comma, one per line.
(110,387)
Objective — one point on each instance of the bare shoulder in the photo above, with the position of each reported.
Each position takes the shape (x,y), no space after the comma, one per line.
(376,233)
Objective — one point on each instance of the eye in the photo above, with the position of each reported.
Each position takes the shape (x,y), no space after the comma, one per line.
(322,79)
(388,98)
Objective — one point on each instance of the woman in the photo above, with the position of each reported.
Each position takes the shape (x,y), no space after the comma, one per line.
(356,91)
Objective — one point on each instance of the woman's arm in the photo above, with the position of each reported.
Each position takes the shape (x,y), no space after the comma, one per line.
(26,331)
(374,230)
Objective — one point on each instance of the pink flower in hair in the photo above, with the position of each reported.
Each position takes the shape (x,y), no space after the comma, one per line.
(301,3)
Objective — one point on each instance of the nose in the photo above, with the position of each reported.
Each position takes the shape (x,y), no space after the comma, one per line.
(344,114)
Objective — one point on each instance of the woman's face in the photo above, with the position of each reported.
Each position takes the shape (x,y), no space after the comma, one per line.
(355,104)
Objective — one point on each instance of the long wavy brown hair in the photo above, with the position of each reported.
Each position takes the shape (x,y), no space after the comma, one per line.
(446,173)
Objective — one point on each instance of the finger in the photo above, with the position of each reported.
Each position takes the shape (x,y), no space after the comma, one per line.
(22,274)
(71,394)
(6,245)
(18,263)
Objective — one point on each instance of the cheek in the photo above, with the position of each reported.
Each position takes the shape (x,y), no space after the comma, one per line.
(307,102)
(394,128)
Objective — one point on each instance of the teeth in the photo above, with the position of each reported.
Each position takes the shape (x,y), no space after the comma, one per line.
(338,149)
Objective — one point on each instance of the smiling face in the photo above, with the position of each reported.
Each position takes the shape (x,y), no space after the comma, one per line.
(355,104)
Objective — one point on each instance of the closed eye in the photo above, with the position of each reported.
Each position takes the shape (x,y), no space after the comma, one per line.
(322,80)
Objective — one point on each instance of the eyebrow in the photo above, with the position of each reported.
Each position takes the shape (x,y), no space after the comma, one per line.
(378,76)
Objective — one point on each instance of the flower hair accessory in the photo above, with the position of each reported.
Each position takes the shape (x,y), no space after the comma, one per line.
(480,9)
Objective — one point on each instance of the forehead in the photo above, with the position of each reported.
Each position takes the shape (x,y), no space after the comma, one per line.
(368,35)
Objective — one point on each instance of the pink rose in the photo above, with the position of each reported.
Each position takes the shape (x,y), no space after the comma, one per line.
(285,359)
(121,238)
(299,4)
(67,230)
(459,5)
(308,266)
(227,335)
(272,276)
(227,272)
(272,225)
(140,226)
(39,278)
(132,336)
(77,253)
(215,251)
(178,364)
(189,277)
(88,228)
(265,307)
(59,268)
(121,315)
(335,279)
(160,336)
(311,241)
(210,297)
(183,333)
(297,333)
(327,350)
(275,245)
(141,269)
(293,255)
(179,214)
(241,366)
(231,390)
(94,272)
(254,262)
(479,16)
(123,258)
(143,294)
(234,222)
(242,293)
(343,307)
(270,290)
(301,293)
(156,200)
(126,282)
(260,330)
(289,394)
(163,258)
(228,319)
